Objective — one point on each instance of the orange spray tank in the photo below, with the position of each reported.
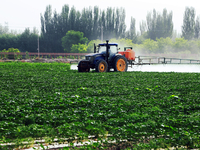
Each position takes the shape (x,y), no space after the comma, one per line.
(128,53)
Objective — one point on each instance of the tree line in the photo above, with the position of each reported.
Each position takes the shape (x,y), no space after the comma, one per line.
(90,21)
(94,22)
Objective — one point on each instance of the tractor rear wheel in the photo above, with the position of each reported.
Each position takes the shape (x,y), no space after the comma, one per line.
(120,64)
(101,66)
(82,69)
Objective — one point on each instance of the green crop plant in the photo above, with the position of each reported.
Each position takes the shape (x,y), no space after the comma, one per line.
(59,57)
(5,56)
(19,57)
(27,55)
(131,110)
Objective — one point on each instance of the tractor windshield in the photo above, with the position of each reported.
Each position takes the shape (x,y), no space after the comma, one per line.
(113,49)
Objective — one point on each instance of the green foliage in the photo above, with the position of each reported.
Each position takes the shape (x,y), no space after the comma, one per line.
(157,110)
(180,44)
(27,55)
(88,20)
(188,28)
(90,46)
(164,44)
(15,50)
(28,41)
(9,40)
(10,56)
(79,48)
(142,38)
(159,25)
(131,34)
(73,37)
(19,56)
(59,57)
(150,46)
(193,46)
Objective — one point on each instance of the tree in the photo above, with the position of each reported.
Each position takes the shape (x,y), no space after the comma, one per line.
(73,37)
(122,24)
(188,27)
(87,22)
(164,45)
(151,25)
(150,46)
(159,25)
(131,34)
(109,24)
(143,27)
(79,48)
(4,29)
(117,23)
(9,40)
(72,18)
(47,32)
(197,28)
(15,50)
(180,44)
(65,19)
(90,47)
(96,25)
(102,23)
(28,41)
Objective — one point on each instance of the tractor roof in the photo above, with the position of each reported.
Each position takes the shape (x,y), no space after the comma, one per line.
(111,44)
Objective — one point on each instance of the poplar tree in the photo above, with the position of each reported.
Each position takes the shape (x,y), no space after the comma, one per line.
(197,28)
(159,25)
(188,27)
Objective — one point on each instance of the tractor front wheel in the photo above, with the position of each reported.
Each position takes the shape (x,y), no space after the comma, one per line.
(120,64)
(101,66)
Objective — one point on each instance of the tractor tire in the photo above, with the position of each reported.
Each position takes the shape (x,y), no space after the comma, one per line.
(82,69)
(101,66)
(120,64)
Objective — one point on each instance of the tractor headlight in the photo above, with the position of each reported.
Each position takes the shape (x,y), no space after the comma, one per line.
(87,57)
(90,58)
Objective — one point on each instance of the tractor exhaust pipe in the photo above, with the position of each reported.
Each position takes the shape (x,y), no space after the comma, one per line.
(95,48)
(107,47)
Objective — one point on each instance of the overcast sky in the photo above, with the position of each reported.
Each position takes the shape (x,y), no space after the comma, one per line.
(26,13)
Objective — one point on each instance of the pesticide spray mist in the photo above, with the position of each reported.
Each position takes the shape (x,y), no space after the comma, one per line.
(191,68)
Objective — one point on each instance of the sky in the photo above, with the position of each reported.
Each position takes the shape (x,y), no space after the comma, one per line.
(21,14)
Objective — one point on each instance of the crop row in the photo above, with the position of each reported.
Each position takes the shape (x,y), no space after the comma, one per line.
(49,100)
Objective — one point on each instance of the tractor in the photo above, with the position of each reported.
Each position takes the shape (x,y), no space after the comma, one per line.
(106,57)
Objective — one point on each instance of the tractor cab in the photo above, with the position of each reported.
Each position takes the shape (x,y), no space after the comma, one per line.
(112,47)
(112,50)
(104,58)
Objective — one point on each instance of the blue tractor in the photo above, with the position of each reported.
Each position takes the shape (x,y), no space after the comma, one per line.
(104,58)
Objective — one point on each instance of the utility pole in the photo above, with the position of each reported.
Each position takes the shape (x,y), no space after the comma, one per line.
(38,47)
(101,33)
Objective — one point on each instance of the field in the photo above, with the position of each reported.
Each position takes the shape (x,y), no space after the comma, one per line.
(141,110)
